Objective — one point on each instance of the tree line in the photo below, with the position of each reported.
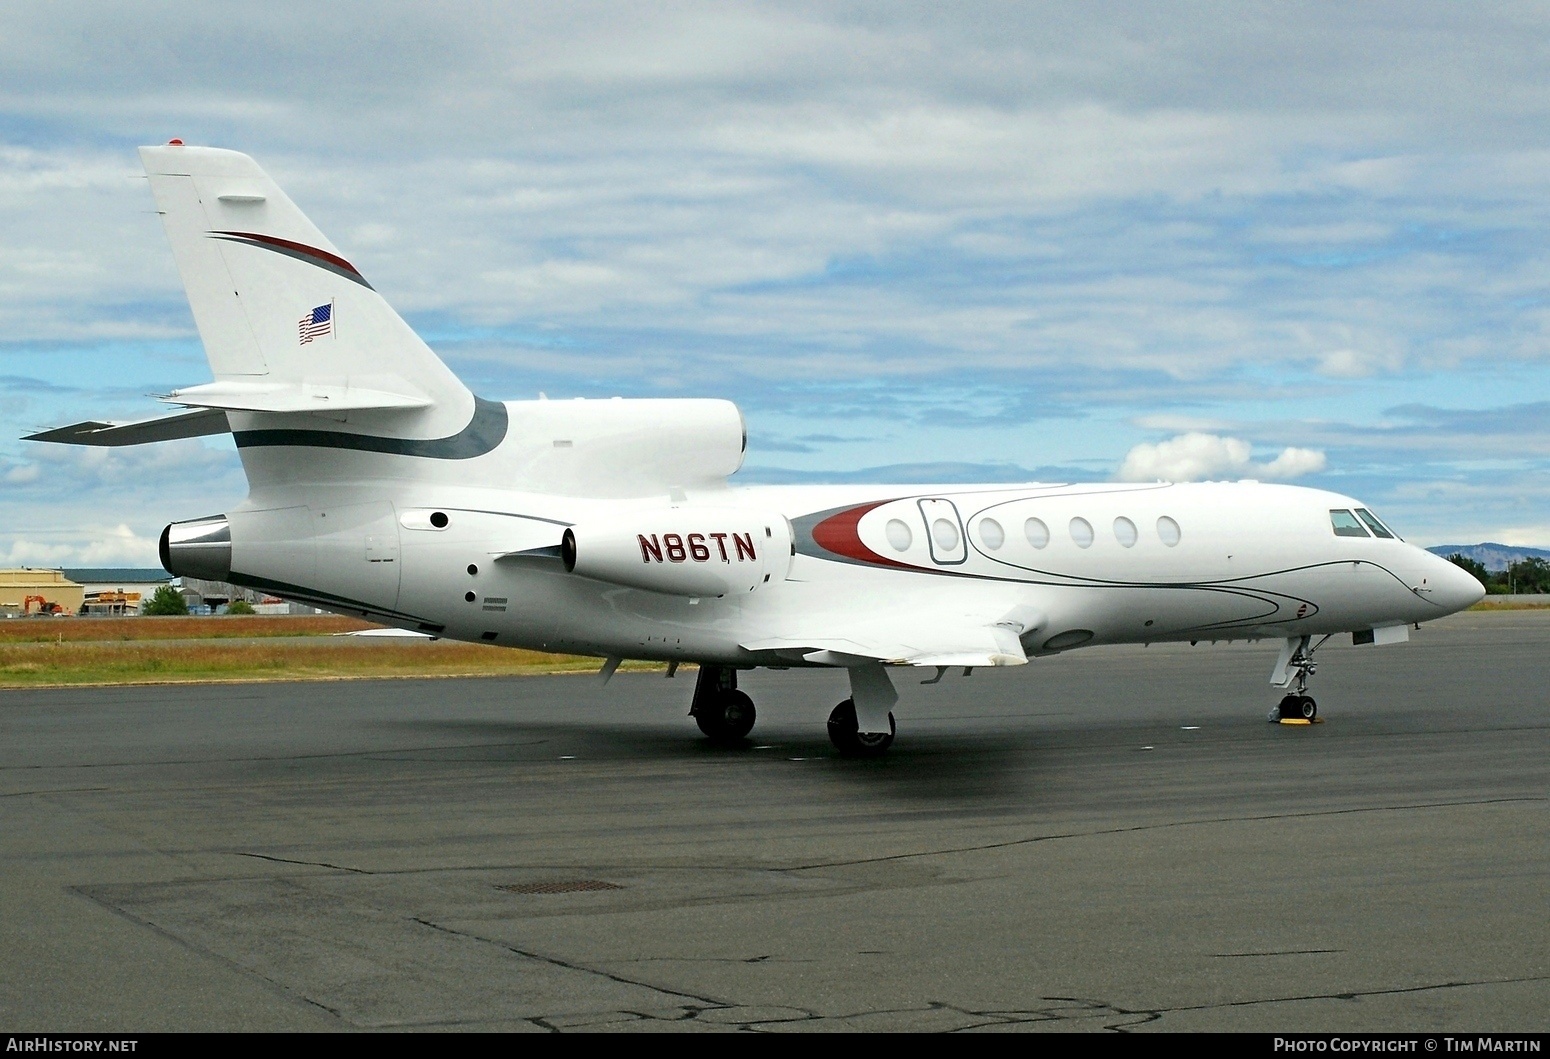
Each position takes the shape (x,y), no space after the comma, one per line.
(1531,575)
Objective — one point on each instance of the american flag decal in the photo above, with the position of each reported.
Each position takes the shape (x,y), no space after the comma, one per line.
(317,323)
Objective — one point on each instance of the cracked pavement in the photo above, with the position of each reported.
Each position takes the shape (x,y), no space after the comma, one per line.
(1111,840)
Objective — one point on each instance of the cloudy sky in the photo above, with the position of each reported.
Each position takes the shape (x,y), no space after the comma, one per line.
(963,242)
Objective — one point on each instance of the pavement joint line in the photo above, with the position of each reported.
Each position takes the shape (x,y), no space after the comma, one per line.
(1158,827)
(1010,843)
(184,943)
(557,962)
(1354,994)
(309,863)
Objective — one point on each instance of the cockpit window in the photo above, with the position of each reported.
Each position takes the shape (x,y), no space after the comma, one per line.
(1378,528)
(1345,524)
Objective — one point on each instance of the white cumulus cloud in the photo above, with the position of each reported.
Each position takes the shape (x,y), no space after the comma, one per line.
(1195,456)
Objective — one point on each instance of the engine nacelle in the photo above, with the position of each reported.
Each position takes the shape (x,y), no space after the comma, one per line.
(200,547)
(683,551)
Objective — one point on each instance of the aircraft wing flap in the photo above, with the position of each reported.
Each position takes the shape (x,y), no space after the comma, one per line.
(939,646)
(198,423)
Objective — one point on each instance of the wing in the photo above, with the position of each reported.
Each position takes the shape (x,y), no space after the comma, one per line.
(911,642)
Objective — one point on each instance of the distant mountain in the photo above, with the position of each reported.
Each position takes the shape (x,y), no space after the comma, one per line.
(1493,557)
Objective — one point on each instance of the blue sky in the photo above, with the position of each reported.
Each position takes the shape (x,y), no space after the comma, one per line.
(979,242)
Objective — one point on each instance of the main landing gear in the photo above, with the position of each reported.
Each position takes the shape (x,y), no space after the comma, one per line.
(850,741)
(1292,670)
(723,713)
(862,726)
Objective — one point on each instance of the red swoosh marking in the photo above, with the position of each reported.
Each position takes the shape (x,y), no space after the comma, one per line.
(837,534)
(300,248)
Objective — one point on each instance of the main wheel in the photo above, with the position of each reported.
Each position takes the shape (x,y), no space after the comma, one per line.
(845,734)
(728,718)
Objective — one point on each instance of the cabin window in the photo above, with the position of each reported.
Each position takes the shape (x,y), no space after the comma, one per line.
(1036,532)
(1125,532)
(1378,528)
(991,534)
(1082,532)
(1346,524)
(946,534)
(1168,531)
(899,534)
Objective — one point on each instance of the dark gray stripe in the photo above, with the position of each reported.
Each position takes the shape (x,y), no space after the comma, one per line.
(329,601)
(484,432)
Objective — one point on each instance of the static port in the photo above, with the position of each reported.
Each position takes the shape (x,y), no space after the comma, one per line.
(439,519)
(469,596)
(473,571)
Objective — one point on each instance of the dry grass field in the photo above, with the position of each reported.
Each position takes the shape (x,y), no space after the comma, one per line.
(66,630)
(80,651)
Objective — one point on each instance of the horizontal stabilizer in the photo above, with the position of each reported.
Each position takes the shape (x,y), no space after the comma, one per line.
(196,424)
(294,397)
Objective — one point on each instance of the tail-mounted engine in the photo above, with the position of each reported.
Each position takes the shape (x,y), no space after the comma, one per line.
(683,551)
(200,547)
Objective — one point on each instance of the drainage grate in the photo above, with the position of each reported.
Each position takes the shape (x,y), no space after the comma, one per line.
(560,886)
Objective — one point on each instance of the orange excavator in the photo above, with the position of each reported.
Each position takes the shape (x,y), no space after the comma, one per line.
(44,606)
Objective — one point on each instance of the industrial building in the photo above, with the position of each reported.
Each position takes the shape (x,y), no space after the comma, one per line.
(25,592)
(110,591)
(115,589)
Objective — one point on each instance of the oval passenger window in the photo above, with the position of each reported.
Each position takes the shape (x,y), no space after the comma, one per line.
(899,535)
(946,534)
(1125,532)
(1082,532)
(991,533)
(1168,531)
(1037,532)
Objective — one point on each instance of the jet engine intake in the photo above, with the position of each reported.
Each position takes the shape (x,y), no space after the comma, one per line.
(682,551)
(199,547)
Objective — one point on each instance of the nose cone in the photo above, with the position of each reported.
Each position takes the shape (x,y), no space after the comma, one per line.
(1450,587)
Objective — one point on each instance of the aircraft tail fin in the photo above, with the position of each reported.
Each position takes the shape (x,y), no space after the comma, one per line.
(278,307)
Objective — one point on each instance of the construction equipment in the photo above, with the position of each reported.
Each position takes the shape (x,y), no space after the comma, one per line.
(44,606)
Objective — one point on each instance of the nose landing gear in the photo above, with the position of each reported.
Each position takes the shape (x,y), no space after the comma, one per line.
(1292,670)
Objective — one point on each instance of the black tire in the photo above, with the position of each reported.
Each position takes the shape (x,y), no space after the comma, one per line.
(1307,709)
(1291,707)
(728,718)
(845,734)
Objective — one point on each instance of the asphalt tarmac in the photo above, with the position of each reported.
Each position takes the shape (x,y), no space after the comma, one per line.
(1111,839)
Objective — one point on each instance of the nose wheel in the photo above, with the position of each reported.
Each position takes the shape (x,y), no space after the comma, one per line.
(1295,708)
(1292,671)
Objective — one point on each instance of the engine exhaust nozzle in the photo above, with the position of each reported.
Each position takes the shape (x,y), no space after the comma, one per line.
(200,547)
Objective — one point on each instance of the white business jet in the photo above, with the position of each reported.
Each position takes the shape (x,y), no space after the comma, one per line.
(380,486)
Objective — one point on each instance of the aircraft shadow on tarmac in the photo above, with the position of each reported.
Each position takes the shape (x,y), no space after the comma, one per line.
(927,767)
